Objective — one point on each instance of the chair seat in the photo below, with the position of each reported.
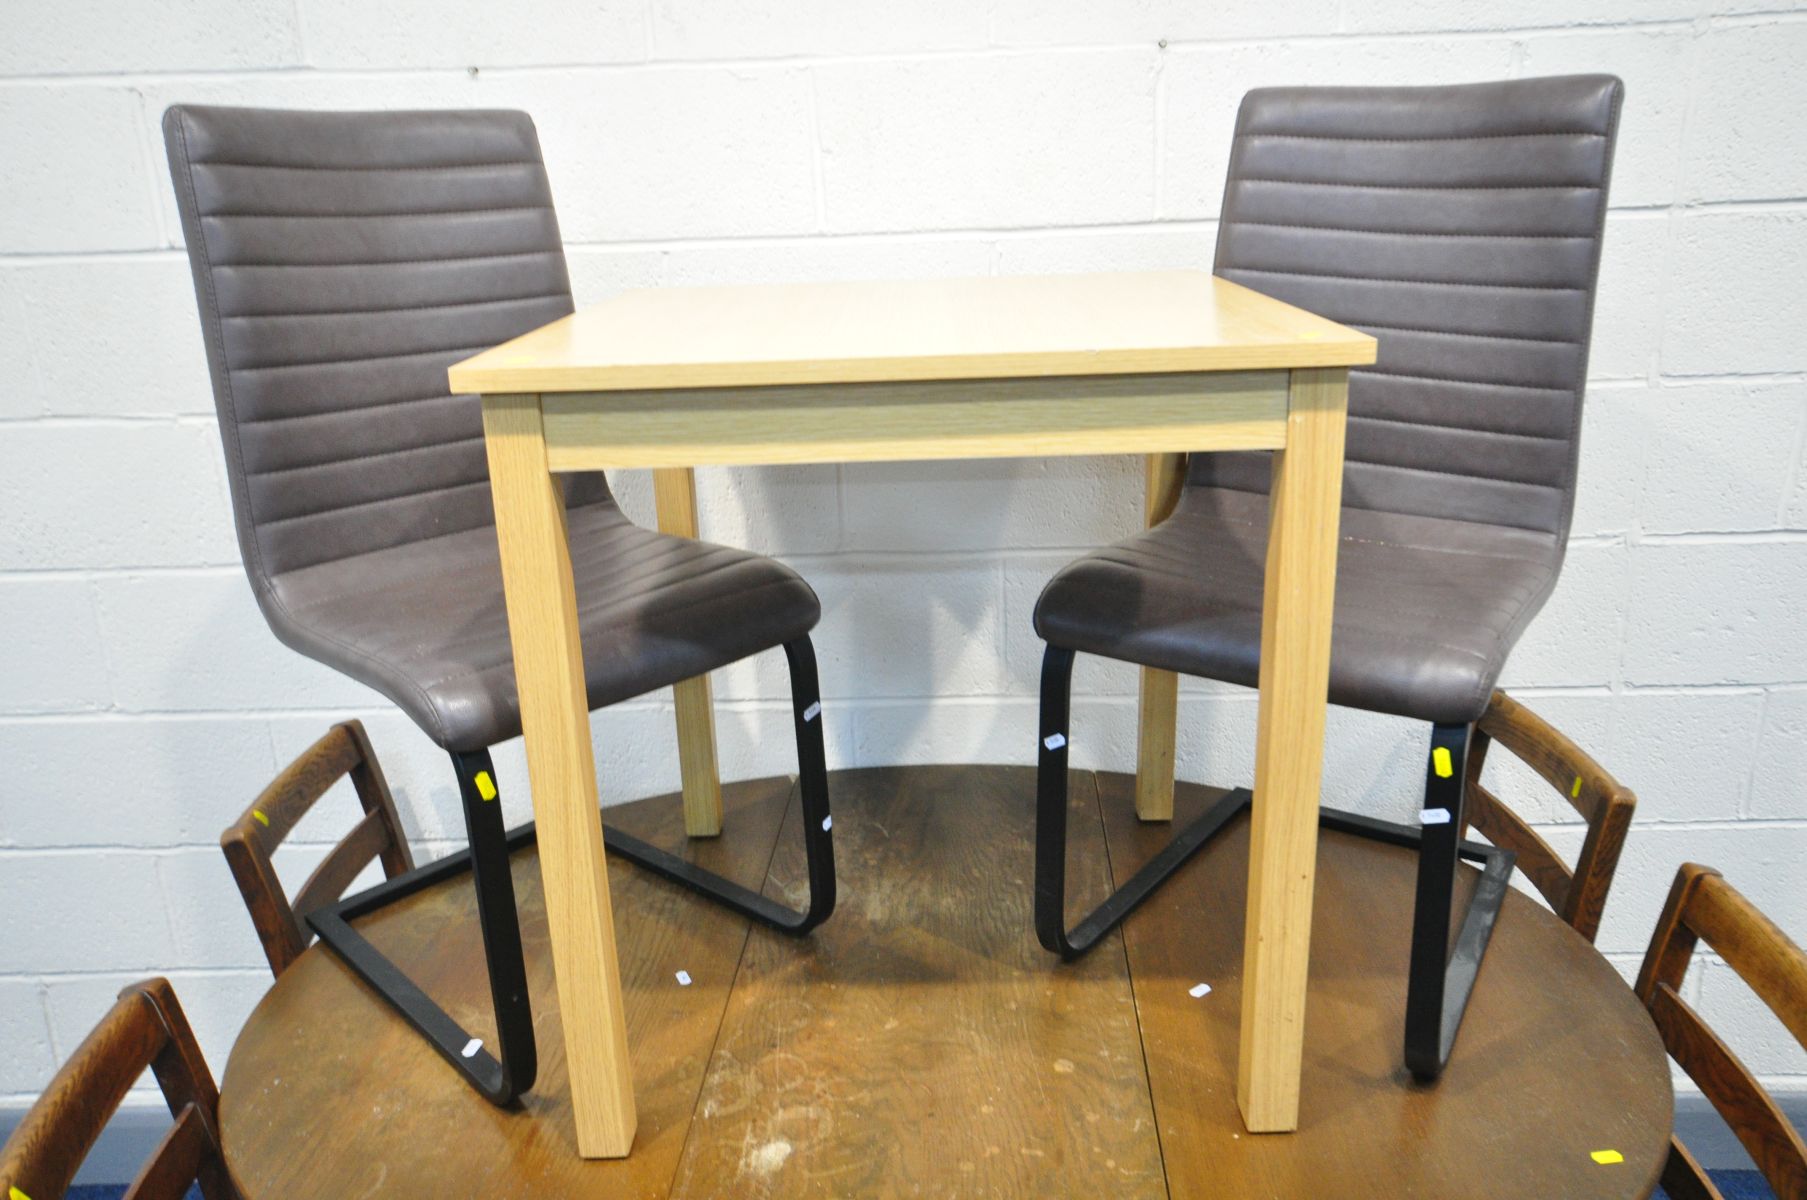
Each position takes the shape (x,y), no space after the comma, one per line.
(424,623)
(1426,609)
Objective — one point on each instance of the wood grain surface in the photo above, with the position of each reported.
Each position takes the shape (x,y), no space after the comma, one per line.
(329,1094)
(920,1044)
(674,497)
(1304,509)
(861,332)
(1550,1066)
(561,765)
(1158,701)
(1703,907)
(915,421)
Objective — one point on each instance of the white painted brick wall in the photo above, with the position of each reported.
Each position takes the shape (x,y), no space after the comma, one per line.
(115,337)
(55,662)
(982,142)
(142,700)
(347,34)
(25,1027)
(81,170)
(95,37)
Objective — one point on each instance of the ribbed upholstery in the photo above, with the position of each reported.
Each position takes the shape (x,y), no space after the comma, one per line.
(342,261)
(1462,227)
(425,623)
(1426,609)
(350,263)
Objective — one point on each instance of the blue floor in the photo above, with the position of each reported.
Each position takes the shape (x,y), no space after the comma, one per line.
(1740,1185)
(1737,1185)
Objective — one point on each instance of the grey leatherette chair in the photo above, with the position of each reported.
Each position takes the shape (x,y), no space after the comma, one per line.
(1462,227)
(342,261)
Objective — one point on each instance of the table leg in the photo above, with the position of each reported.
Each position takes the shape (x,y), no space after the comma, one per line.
(561,767)
(674,495)
(1304,507)
(1158,711)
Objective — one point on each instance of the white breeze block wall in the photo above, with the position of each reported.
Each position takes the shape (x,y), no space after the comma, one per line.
(143,702)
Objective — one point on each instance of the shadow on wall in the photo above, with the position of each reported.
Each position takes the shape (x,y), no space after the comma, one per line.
(915,642)
(912,601)
(915,563)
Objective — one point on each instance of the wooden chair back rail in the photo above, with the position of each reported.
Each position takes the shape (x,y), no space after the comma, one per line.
(1684,1178)
(1577,894)
(176,1161)
(367,841)
(1702,905)
(253,839)
(1505,829)
(146,1027)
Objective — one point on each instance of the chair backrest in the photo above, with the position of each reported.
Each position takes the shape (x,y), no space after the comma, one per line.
(342,261)
(251,840)
(1702,906)
(145,1028)
(1462,227)
(1579,894)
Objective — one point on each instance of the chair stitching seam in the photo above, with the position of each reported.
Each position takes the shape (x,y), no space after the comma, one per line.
(343,508)
(1521,237)
(1494,383)
(1457,474)
(1489,337)
(384,310)
(1412,141)
(1505,433)
(358,458)
(392,262)
(356,408)
(361,358)
(1428,187)
(1451,283)
(511,162)
(369,216)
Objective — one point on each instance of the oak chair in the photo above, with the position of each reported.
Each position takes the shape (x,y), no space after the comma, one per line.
(1578,893)
(1462,227)
(342,261)
(251,841)
(1702,906)
(145,1028)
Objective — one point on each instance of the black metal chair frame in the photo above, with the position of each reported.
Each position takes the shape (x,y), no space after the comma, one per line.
(1440,978)
(501,1077)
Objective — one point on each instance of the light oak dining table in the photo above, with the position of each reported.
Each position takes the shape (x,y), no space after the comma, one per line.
(1154,363)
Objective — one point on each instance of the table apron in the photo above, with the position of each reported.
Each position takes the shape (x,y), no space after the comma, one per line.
(937,419)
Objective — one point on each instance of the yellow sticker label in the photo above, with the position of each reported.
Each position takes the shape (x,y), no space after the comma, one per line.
(1440,760)
(257,813)
(486,787)
(1607,1158)
(13,1193)
(1575,792)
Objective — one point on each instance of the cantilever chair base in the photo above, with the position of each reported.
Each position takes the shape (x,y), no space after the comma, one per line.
(1440,980)
(497,1079)
(501,1077)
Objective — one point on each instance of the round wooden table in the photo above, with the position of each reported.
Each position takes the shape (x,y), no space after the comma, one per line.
(921,1043)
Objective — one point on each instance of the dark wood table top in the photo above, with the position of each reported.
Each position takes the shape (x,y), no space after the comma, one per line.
(921,1043)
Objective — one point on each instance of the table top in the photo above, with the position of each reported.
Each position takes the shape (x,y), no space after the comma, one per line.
(977,328)
(920,1042)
